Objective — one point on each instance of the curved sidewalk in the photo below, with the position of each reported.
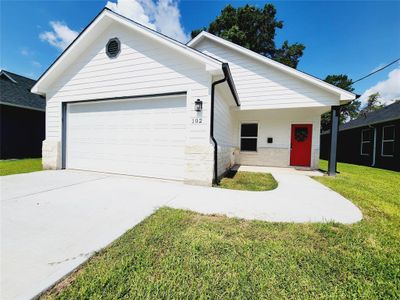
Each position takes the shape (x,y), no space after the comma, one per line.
(298,198)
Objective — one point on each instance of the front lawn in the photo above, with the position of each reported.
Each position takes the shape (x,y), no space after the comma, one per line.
(180,254)
(16,166)
(248,181)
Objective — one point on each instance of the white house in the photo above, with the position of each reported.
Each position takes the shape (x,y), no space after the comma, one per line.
(125,99)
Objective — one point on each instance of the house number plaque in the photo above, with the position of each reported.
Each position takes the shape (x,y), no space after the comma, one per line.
(197,120)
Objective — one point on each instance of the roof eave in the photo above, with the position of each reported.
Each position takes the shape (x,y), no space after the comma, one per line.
(344,96)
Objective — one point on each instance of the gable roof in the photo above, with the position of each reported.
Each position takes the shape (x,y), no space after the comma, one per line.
(388,113)
(344,95)
(100,22)
(15,91)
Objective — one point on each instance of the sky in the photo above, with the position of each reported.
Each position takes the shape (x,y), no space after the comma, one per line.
(343,37)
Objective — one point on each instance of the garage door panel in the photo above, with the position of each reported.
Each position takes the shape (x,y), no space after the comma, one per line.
(135,137)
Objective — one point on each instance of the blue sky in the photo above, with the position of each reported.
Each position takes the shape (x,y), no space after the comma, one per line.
(350,38)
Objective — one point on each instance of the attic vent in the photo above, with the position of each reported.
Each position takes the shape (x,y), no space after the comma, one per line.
(113,48)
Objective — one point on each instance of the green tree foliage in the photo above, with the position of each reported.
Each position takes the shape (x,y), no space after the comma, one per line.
(373,104)
(347,112)
(254,28)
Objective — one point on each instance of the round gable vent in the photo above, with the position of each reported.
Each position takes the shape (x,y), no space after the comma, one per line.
(113,47)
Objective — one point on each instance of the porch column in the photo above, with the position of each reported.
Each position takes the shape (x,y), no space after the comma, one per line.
(335,113)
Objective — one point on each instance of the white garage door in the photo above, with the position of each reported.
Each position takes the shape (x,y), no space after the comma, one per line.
(144,137)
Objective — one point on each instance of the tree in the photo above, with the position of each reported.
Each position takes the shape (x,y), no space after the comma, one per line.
(254,28)
(347,112)
(373,104)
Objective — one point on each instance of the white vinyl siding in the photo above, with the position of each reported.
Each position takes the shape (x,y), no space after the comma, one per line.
(224,127)
(143,67)
(144,137)
(260,86)
(223,121)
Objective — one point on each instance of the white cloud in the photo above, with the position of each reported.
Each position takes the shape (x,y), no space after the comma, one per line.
(378,67)
(36,64)
(389,89)
(163,15)
(60,37)
(24,52)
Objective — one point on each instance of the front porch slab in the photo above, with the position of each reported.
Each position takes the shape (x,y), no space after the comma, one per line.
(291,170)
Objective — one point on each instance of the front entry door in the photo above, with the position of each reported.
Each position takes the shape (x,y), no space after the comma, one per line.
(300,152)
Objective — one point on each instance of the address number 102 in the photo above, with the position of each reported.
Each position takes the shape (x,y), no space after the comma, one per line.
(197,120)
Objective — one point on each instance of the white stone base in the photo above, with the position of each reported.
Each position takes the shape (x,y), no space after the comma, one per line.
(272,157)
(51,155)
(226,159)
(199,165)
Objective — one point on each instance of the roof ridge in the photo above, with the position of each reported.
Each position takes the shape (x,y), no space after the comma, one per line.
(387,113)
(162,34)
(183,47)
(19,75)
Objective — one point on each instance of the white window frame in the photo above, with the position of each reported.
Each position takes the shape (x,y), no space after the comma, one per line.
(364,142)
(248,137)
(387,141)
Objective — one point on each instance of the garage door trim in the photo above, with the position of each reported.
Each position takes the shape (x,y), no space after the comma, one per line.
(64,115)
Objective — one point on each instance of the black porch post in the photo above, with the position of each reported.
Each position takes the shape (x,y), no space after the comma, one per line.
(335,112)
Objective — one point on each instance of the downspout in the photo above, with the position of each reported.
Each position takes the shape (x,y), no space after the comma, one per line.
(227,77)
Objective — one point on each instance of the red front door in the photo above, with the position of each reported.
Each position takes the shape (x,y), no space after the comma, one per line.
(300,152)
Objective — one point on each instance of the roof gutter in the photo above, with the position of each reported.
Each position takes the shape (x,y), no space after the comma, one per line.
(228,78)
(357,96)
(228,75)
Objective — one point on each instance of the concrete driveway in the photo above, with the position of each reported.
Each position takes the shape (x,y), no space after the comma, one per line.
(52,221)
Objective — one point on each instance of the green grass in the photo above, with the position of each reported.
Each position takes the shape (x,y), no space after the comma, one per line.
(8,167)
(248,181)
(184,255)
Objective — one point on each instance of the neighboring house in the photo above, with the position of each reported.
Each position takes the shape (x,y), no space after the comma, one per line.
(123,98)
(371,140)
(22,115)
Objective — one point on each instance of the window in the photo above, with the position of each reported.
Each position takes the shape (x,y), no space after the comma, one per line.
(248,137)
(388,141)
(366,138)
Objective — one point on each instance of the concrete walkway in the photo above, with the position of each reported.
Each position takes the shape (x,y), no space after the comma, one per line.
(52,221)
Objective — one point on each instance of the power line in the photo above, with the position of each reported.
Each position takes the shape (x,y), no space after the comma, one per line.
(376,71)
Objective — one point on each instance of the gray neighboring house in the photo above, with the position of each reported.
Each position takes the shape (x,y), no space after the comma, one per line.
(22,115)
(371,140)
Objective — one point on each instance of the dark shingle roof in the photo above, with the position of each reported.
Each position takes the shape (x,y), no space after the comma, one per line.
(390,112)
(18,93)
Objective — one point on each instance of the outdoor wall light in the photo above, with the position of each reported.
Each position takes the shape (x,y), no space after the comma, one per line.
(198,105)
